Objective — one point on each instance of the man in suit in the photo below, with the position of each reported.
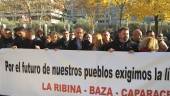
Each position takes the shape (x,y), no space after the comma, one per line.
(64,41)
(76,43)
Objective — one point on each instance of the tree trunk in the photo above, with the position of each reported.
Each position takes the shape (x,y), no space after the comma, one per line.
(28,9)
(120,20)
(121,15)
(156,18)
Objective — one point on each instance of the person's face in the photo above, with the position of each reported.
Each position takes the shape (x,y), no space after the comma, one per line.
(54,37)
(7,34)
(48,39)
(124,35)
(79,32)
(29,35)
(66,34)
(18,33)
(106,36)
(72,35)
(152,34)
(97,38)
(89,38)
(40,33)
(137,35)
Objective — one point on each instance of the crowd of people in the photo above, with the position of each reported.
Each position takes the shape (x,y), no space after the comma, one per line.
(21,37)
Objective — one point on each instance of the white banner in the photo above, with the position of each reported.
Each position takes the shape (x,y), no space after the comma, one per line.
(29,72)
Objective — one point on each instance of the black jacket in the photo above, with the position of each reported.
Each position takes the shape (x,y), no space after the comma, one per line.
(23,43)
(127,46)
(40,41)
(74,46)
(6,43)
(63,43)
(86,45)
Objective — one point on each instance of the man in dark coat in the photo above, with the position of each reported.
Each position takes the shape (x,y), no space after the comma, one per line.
(76,43)
(122,42)
(40,39)
(64,41)
(7,39)
(106,41)
(21,40)
(137,38)
(87,42)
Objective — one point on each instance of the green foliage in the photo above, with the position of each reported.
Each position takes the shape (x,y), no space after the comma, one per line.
(59,26)
(84,23)
(8,23)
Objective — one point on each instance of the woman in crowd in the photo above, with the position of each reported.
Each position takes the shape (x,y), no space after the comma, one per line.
(87,42)
(97,41)
(54,41)
(149,44)
(48,42)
